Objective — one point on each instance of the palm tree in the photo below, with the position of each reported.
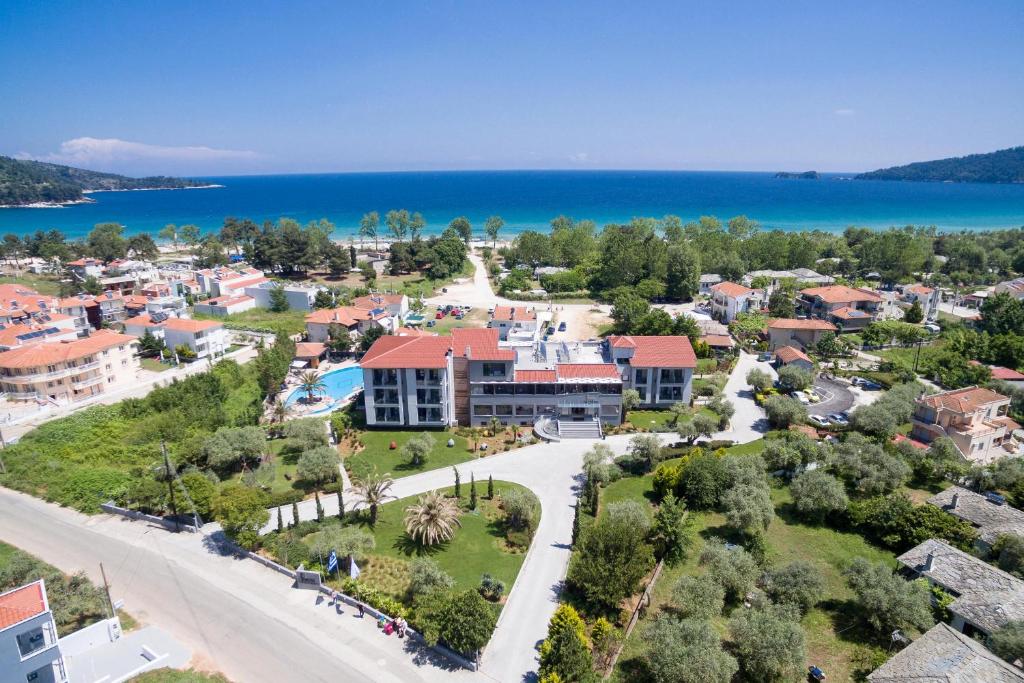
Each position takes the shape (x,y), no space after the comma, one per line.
(279,411)
(311,383)
(432,519)
(374,488)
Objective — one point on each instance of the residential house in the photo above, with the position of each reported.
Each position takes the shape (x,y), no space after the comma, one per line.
(944,655)
(396,305)
(222,280)
(790,355)
(83,309)
(1014,288)
(974,418)
(989,514)
(225,305)
(70,370)
(729,299)
(849,308)
(719,343)
(707,281)
(205,338)
(355,320)
(86,267)
(45,327)
(1011,377)
(985,598)
(29,645)
(776,278)
(517,322)
(299,297)
(795,332)
(659,368)
(927,297)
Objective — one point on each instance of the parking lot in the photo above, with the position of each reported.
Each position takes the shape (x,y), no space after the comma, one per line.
(835,397)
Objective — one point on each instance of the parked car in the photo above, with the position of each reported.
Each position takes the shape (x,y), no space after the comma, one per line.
(818,420)
(431,323)
(561,326)
(550,330)
(802,397)
(764,357)
(438,315)
(932,327)
(839,420)
(870,386)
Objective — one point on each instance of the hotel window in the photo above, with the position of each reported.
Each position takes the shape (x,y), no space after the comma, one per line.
(643,393)
(672,376)
(670,394)
(483,410)
(524,410)
(385,377)
(503,389)
(387,414)
(493,369)
(428,396)
(641,376)
(503,410)
(385,396)
(525,390)
(428,414)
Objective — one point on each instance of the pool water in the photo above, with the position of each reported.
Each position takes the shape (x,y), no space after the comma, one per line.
(340,384)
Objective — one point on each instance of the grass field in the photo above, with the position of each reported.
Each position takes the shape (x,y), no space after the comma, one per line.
(376,453)
(154,365)
(286,477)
(660,420)
(175,676)
(44,284)
(835,640)
(478,546)
(290,322)
(906,355)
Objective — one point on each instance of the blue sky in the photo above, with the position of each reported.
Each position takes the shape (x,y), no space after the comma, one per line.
(242,87)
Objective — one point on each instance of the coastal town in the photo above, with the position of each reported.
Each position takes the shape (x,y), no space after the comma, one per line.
(485,451)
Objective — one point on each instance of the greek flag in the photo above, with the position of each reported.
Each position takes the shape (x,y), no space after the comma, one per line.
(353,570)
(332,562)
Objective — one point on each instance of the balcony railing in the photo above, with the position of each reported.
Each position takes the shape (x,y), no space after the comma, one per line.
(63,372)
(88,382)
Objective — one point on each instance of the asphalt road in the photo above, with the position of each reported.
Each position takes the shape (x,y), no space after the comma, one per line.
(835,397)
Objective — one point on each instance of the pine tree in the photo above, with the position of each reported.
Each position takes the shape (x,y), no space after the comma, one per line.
(458,483)
(295,514)
(280,521)
(472,491)
(341,503)
(490,487)
(319,507)
(576,522)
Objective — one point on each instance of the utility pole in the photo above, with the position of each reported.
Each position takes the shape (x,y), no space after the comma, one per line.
(917,356)
(106,588)
(168,472)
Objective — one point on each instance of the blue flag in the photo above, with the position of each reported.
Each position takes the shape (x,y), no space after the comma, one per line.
(332,562)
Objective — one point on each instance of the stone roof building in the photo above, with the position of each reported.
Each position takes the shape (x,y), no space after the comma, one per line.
(989,517)
(943,655)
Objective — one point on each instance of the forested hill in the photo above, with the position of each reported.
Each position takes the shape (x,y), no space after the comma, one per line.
(28,182)
(1004,166)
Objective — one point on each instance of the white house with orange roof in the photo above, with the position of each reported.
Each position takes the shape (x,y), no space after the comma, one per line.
(29,644)
(205,338)
(847,307)
(729,299)
(659,368)
(397,305)
(299,297)
(86,267)
(517,322)
(45,327)
(70,370)
(928,297)
(974,418)
(355,320)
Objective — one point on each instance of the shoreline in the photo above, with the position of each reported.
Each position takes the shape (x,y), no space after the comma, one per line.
(87,200)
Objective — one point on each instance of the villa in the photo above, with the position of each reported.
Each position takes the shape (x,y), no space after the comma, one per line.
(29,645)
(205,338)
(471,377)
(974,418)
(729,299)
(355,320)
(847,307)
(927,297)
(797,333)
(396,305)
(70,370)
(299,297)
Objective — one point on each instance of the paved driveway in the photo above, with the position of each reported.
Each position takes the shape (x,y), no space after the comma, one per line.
(836,397)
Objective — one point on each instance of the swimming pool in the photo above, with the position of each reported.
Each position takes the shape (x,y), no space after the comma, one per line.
(340,384)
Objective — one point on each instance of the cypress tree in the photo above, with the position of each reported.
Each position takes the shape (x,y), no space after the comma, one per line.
(576,522)
(472,491)
(295,513)
(319,507)
(280,521)
(341,503)
(490,487)
(458,483)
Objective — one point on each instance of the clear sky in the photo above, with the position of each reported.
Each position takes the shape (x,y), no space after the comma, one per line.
(259,87)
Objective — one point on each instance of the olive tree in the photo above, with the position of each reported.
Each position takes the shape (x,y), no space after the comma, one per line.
(699,597)
(798,583)
(769,642)
(888,601)
(817,494)
(686,651)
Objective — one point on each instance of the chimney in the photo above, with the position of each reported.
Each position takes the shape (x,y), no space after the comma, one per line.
(929,561)
(468,353)
(956,499)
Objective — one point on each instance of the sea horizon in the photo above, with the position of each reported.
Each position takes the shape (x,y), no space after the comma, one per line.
(531,199)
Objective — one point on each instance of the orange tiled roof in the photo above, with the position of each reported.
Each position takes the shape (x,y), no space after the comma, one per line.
(509,313)
(309,349)
(660,352)
(191,326)
(847,313)
(21,603)
(482,343)
(9,335)
(837,294)
(587,371)
(795,324)
(391,352)
(788,354)
(536,376)
(17,292)
(966,400)
(1010,424)
(371,301)
(732,289)
(349,316)
(717,340)
(47,353)
(918,289)
(413,332)
(1005,374)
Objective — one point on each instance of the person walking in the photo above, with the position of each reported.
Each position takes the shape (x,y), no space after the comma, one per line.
(361,610)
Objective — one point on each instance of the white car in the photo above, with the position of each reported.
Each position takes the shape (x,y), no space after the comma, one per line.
(802,397)
(818,420)
(838,419)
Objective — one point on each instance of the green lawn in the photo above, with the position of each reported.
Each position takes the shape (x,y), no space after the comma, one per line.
(376,453)
(706,366)
(286,477)
(175,676)
(906,355)
(154,365)
(835,640)
(44,284)
(290,322)
(660,420)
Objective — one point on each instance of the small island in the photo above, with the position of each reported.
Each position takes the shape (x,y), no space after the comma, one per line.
(805,175)
(37,184)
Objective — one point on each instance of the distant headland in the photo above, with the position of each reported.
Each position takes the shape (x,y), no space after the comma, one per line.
(29,184)
(1004,166)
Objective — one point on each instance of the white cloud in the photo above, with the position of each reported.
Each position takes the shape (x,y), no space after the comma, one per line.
(844,112)
(580,158)
(106,152)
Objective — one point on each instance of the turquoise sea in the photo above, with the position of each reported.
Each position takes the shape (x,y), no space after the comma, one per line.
(530,199)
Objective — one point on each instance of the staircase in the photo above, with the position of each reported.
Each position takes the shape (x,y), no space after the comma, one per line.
(588,429)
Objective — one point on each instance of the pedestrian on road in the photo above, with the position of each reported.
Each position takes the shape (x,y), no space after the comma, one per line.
(361,610)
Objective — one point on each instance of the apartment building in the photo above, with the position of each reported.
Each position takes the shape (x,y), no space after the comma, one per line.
(70,370)
(225,305)
(847,307)
(518,322)
(472,377)
(205,338)
(974,418)
(45,327)
(299,297)
(729,299)
(29,646)
(355,320)
(86,267)
(800,334)
(222,281)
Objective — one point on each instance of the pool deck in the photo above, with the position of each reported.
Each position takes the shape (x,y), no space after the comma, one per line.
(298,409)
